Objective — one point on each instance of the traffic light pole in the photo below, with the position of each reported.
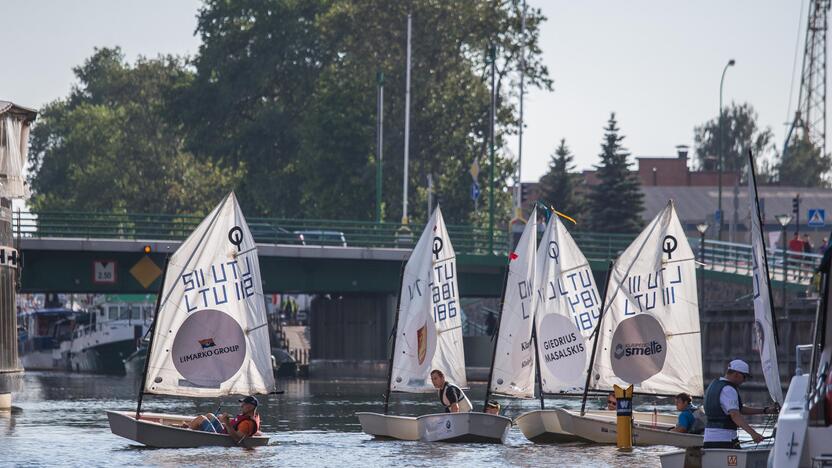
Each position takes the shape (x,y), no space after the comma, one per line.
(796,210)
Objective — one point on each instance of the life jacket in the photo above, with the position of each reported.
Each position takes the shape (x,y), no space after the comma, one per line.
(464,403)
(244,417)
(717,419)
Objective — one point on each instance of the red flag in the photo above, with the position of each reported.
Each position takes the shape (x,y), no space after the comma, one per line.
(513,256)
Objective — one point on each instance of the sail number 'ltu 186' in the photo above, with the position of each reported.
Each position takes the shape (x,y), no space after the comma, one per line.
(443,291)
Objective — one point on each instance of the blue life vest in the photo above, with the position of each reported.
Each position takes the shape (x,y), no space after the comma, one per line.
(717,419)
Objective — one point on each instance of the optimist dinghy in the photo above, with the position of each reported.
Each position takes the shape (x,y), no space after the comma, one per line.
(428,336)
(766,330)
(566,309)
(209,336)
(649,330)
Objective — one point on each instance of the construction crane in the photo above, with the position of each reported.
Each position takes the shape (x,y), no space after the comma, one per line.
(810,118)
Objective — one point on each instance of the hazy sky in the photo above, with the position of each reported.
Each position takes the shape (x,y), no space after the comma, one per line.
(656,64)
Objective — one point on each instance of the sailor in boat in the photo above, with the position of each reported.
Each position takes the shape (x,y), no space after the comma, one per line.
(724,409)
(688,421)
(451,396)
(245,424)
(492,407)
(612,402)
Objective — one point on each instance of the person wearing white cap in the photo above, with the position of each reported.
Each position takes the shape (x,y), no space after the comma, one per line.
(724,409)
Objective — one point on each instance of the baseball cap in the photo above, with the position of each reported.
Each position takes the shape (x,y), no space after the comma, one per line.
(250,400)
(738,365)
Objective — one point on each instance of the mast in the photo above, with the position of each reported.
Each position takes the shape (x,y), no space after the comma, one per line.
(496,338)
(395,335)
(765,254)
(537,361)
(152,332)
(597,334)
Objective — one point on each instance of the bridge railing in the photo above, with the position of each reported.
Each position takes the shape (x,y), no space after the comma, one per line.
(798,267)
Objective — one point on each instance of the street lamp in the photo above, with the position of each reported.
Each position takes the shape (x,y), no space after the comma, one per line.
(702,228)
(719,145)
(784,221)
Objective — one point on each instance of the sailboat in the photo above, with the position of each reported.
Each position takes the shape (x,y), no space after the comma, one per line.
(428,335)
(648,334)
(766,333)
(210,335)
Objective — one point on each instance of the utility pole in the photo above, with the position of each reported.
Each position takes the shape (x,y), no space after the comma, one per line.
(379,142)
(518,189)
(492,56)
(406,124)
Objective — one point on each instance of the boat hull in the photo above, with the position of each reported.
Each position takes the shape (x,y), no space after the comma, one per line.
(605,431)
(717,458)
(41,360)
(470,427)
(106,358)
(554,426)
(161,431)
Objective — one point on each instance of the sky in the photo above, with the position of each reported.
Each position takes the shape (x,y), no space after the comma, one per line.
(657,65)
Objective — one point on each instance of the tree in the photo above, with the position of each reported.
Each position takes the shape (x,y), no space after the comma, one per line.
(803,164)
(616,202)
(732,134)
(288,88)
(559,185)
(108,146)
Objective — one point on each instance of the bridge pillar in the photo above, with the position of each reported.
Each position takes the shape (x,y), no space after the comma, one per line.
(349,335)
(10,370)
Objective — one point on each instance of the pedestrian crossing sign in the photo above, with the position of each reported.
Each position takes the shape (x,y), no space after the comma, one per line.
(817,217)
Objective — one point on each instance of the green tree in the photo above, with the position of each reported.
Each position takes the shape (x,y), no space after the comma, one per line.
(616,202)
(288,88)
(803,164)
(732,134)
(109,147)
(559,186)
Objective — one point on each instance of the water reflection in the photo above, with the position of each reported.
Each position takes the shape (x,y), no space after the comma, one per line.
(62,422)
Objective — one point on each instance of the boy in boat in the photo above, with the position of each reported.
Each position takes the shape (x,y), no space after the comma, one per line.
(245,424)
(724,409)
(451,396)
(492,407)
(688,421)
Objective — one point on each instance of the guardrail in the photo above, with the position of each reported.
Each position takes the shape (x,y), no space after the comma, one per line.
(727,257)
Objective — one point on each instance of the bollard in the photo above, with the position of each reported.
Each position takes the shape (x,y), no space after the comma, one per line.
(624,421)
(5,401)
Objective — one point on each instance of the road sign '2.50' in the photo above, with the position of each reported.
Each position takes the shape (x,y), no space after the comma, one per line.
(104,272)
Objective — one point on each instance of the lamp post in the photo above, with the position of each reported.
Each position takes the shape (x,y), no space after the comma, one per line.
(784,221)
(719,146)
(702,228)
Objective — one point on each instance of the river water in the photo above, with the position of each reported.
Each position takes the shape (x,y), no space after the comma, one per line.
(60,421)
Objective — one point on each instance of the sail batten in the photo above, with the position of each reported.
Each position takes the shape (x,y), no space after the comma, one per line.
(429,330)
(763,322)
(210,337)
(650,334)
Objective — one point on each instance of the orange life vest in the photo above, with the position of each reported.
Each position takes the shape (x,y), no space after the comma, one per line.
(243,417)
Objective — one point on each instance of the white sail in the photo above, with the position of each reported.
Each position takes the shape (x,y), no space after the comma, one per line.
(211,335)
(429,332)
(568,308)
(763,325)
(650,327)
(513,368)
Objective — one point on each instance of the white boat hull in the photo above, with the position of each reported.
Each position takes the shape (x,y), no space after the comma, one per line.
(554,426)
(717,458)
(163,431)
(469,427)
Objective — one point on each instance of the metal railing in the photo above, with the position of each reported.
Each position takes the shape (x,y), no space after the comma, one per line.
(798,267)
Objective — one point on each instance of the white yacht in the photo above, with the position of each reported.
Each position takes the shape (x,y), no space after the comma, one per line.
(116,326)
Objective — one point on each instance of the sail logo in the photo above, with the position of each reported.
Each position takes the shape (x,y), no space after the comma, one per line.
(207,343)
(638,349)
(208,362)
(562,348)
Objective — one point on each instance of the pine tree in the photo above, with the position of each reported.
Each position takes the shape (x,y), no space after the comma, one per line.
(558,186)
(616,203)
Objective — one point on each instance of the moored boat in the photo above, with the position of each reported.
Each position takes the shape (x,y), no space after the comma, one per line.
(44,330)
(209,337)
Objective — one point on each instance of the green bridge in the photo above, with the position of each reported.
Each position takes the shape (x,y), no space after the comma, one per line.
(105,252)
